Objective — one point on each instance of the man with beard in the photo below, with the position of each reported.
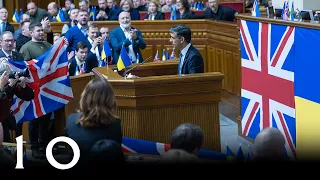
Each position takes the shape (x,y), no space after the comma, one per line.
(39,127)
(79,32)
(127,36)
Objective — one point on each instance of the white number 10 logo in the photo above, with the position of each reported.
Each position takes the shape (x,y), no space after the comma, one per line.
(50,158)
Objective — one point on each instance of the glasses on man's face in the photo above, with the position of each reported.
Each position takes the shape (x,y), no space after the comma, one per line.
(8,40)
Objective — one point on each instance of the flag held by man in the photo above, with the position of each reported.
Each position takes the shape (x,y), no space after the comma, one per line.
(49,80)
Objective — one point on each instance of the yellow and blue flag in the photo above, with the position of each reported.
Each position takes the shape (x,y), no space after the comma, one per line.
(60,16)
(307,92)
(124,59)
(292,11)
(106,51)
(173,14)
(93,13)
(16,17)
(164,55)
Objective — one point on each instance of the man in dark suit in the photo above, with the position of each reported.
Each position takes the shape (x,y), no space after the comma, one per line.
(218,12)
(190,58)
(4,24)
(127,36)
(83,62)
(7,44)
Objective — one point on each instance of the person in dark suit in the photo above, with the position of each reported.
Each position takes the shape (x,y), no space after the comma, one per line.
(183,11)
(191,60)
(218,12)
(82,62)
(127,36)
(25,35)
(154,13)
(4,24)
(96,118)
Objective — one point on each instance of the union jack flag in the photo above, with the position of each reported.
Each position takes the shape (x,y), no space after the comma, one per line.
(49,80)
(268,80)
(138,146)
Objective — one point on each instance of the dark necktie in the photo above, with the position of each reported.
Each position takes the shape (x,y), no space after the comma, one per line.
(10,57)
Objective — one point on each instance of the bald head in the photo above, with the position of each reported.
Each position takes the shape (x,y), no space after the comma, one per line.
(53,8)
(269,143)
(125,20)
(32,8)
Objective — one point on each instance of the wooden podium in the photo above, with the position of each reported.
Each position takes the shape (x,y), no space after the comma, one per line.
(152,106)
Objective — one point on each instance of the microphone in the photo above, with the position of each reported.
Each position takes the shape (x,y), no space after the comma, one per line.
(148,59)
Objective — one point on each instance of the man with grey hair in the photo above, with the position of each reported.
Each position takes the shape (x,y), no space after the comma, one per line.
(270,145)
(7,47)
(186,142)
(127,36)
(191,60)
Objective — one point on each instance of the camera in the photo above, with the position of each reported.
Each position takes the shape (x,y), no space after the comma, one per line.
(98,34)
(22,73)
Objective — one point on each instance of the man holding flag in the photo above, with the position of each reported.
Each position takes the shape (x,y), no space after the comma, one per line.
(38,127)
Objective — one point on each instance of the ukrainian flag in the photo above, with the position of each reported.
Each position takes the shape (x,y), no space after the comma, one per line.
(307,92)
(173,14)
(124,59)
(15,17)
(106,51)
(92,14)
(230,154)
(164,55)
(60,16)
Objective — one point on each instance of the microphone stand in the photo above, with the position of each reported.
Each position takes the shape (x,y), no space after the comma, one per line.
(126,71)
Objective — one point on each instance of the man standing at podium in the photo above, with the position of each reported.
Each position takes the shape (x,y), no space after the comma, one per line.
(191,60)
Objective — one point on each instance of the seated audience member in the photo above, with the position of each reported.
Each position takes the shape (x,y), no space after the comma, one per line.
(68,5)
(153,11)
(96,118)
(127,6)
(103,11)
(25,35)
(186,142)
(269,145)
(8,88)
(105,33)
(36,14)
(24,17)
(217,12)
(183,11)
(137,4)
(127,36)
(169,4)
(83,62)
(106,152)
(72,21)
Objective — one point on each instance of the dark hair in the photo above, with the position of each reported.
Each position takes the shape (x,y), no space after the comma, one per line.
(23,22)
(187,137)
(70,1)
(81,45)
(182,31)
(97,104)
(106,151)
(33,25)
(185,4)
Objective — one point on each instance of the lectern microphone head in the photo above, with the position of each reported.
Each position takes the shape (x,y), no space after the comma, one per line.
(125,72)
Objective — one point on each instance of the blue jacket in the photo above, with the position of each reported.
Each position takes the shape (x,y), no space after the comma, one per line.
(118,38)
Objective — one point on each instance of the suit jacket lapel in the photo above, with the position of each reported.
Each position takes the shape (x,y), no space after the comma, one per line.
(186,57)
(2,53)
(123,36)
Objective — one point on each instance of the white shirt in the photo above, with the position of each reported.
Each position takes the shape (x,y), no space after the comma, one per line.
(183,54)
(84,29)
(131,52)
